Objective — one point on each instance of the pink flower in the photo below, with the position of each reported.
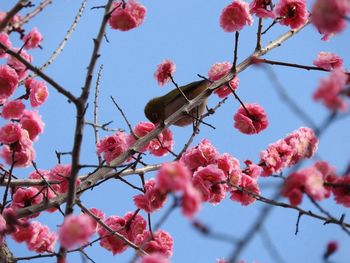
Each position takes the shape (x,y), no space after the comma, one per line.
(135,225)
(20,68)
(201,155)
(154,258)
(162,144)
(153,198)
(245,197)
(328,91)
(163,72)
(252,170)
(251,122)
(331,248)
(299,144)
(24,197)
(341,194)
(328,16)
(128,17)
(98,213)
(38,92)
(33,39)
(10,133)
(173,177)
(61,173)
(111,242)
(4,39)
(19,154)
(328,61)
(31,121)
(22,233)
(140,130)
(262,8)
(42,240)
(161,242)
(112,146)
(291,13)
(2,229)
(235,16)
(210,181)
(191,201)
(8,81)
(76,230)
(13,109)
(219,70)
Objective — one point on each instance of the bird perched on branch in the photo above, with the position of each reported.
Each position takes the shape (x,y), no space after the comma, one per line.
(160,108)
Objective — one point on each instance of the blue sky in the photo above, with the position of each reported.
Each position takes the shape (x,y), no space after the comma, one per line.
(188,33)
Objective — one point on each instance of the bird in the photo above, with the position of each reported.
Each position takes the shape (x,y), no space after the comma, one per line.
(160,108)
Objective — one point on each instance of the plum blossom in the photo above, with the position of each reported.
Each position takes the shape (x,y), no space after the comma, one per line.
(291,13)
(209,181)
(244,197)
(328,61)
(76,230)
(201,155)
(42,240)
(18,66)
(98,213)
(153,198)
(112,146)
(5,40)
(191,201)
(33,39)
(328,16)
(331,248)
(135,225)
(154,258)
(219,70)
(8,81)
(31,121)
(174,176)
(127,17)
(10,133)
(24,197)
(161,242)
(253,121)
(341,194)
(37,90)
(262,8)
(328,91)
(235,16)
(163,72)
(299,144)
(12,109)
(61,173)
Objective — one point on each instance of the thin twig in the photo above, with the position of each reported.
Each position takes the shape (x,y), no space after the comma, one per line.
(97,90)
(124,117)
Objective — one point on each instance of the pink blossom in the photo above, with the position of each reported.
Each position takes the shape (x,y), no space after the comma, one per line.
(173,177)
(154,258)
(262,8)
(42,240)
(227,163)
(13,109)
(291,13)
(251,188)
(31,121)
(191,201)
(76,230)
(10,133)
(161,242)
(163,72)
(33,39)
(8,81)
(135,225)
(162,144)
(98,213)
(153,198)
(328,16)
(22,233)
(210,181)
(5,40)
(253,121)
(332,247)
(24,197)
(328,91)
(111,242)
(112,146)
(235,16)
(128,17)
(2,229)
(219,70)
(328,173)
(61,173)
(201,155)
(19,154)
(252,170)
(20,68)
(328,61)
(299,144)
(140,130)
(341,193)
(38,92)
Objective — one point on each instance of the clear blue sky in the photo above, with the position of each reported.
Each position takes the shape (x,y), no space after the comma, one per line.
(188,33)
